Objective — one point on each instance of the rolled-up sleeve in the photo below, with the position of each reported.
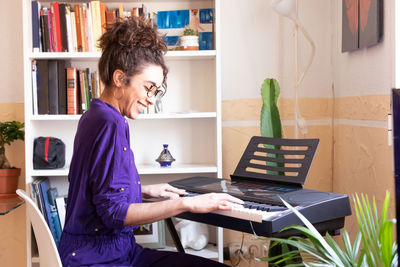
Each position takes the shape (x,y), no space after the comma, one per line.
(109,189)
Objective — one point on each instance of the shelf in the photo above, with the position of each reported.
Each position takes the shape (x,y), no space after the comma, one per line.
(143,169)
(94,56)
(209,252)
(177,168)
(9,202)
(181,115)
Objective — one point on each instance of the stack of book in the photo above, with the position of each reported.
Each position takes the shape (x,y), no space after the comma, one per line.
(58,89)
(63,27)
(50,204)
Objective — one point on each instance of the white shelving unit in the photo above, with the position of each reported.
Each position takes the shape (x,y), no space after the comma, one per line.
(191,123)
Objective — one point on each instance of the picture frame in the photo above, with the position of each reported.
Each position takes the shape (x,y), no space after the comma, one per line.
(151,235)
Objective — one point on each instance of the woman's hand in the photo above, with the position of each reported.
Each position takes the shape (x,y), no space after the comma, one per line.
(161,191)
(209,202)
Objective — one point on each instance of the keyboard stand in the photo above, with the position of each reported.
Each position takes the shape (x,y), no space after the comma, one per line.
(174,235)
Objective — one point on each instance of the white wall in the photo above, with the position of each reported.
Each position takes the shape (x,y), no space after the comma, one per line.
(257,43)
(366,71)
(11,70)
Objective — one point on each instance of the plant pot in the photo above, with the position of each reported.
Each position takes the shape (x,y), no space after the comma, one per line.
(189,43)
(9,180)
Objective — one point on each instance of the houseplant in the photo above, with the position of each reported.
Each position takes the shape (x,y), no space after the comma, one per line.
(374,244)
(10,131)
(189,40)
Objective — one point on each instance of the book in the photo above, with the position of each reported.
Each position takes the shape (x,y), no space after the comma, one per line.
(62,87)
(56,10)
(103,9)
(96,23)
(72,91)
(44,186)
(34,88)
(77,11)
(53,28)
(42,86)
(69,28)
(63,28)
(52,194)
(74,34)
(53,86)
(61,203)
(89,22)
(44,36)
(111,17)
(35,26)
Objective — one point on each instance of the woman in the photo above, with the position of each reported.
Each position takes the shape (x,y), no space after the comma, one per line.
(105,195)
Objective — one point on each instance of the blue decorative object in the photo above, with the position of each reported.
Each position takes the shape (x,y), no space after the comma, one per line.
(173,19)
(206,16)
(205,40)
(165,159)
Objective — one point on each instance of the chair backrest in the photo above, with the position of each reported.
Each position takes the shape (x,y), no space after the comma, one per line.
(48,252)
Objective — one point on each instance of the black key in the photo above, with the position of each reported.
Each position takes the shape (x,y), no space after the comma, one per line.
(277,208)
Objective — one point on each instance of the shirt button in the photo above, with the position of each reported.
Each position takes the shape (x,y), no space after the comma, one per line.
(138,182)
(96,229)
(124,148)
(122,189)
(126,121)
(73,254)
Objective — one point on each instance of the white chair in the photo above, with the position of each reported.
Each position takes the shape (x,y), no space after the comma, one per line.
(48,252)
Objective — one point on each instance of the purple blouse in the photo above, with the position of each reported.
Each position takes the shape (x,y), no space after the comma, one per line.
(103,181)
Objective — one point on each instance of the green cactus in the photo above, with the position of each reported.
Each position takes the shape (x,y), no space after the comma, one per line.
(270,118)
(270,122)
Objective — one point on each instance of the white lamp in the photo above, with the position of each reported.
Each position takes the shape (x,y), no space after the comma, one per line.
(288,8)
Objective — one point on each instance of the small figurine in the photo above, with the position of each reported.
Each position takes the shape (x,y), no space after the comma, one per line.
(165,159)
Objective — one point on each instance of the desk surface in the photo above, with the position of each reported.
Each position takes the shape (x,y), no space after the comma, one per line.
(8,202)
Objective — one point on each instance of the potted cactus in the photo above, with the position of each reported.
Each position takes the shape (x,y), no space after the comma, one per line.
(10,131)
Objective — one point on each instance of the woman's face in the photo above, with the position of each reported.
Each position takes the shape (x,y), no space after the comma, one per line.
(135,98)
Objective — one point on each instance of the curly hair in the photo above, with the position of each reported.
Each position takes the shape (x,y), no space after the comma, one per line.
(130,44)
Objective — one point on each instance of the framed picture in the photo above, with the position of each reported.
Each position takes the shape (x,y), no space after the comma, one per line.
(151,235)
(362,24)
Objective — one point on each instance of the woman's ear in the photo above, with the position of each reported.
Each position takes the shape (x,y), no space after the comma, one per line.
(118,78)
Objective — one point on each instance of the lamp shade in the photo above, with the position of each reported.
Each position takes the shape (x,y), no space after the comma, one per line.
(285,8)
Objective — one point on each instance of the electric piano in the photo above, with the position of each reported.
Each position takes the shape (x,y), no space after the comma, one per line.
(269,170)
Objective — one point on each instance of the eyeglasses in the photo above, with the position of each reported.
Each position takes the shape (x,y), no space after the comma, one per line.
(154,90)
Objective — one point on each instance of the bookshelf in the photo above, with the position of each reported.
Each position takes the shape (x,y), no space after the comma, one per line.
(190,123)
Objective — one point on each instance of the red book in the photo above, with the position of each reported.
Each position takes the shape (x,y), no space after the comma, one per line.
(58,27)
(72,91)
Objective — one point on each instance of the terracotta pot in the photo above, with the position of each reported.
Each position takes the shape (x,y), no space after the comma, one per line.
(189,43)
(9,180)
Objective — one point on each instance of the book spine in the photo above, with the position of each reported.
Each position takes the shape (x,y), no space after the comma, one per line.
(52,194)
(96,23)
(72,91)
(34,88)
(58,26)
(62,88)
(44,32)
(78,27)
(53,86)
(53,27)
(35,27)
(63,28)
(90,29)
(74,36)
(69,28)
(42,86)
(44,187)
(103,9)
(61,206)
(83,29)
(50,30)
